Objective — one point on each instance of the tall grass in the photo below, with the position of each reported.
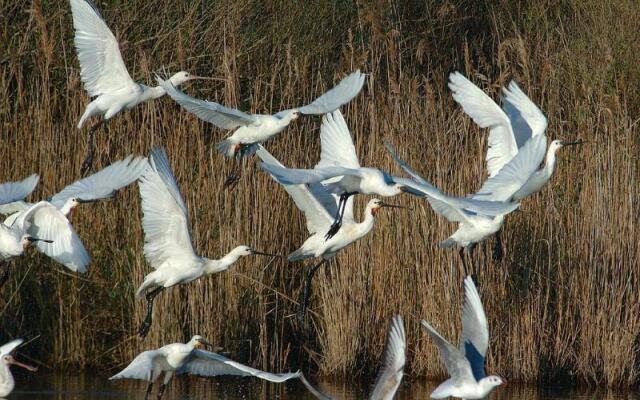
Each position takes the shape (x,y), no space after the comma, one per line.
(562,304)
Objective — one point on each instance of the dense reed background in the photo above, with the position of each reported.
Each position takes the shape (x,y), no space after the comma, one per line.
(563,303)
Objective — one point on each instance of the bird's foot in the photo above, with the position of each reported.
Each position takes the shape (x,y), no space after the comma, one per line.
(143,331)
(335,227)
(231,181)
(86,164)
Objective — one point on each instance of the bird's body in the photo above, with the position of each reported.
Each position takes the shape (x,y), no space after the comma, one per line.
(254,129)
(7,383)
(187,358)
(104,73)
(168,246)
(465,364)
(320,206)
(511,127)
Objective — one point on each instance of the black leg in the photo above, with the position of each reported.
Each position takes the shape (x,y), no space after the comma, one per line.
(464,263)
(163,387)
(497,249)
(342,205)
(474,264)
(146,324)
(306,292)
(88,161)
(5,275)
(149,388)
(234,177)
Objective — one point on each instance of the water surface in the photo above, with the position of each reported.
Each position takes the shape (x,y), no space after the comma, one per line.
(88,386)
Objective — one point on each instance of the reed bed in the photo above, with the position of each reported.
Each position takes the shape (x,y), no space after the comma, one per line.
(563,304)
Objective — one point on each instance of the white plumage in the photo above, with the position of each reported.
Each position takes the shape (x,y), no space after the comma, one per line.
(7,383)
(465,364)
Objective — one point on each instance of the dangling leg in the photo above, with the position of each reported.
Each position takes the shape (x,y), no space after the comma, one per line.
(497,249)
(88,161)
(464,263)
(306,291)
(146,324)
(5,274)
(234,175)
(149,388)
(342,205)
(163,387)
(474,264)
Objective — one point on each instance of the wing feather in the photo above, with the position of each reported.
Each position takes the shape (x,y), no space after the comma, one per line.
(165,218)
(392,368)
(16,191)
(337,149)
(10,347)
(341,94)
(144,367)
(487,114)
(526,118)
(474,340)
(457,365)
(209,111)
(101,66)
(103,184)
(206,363)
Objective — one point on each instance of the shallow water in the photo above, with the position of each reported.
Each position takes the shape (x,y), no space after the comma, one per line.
(87,386)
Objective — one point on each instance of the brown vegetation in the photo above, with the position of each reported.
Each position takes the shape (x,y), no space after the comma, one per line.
(563,303)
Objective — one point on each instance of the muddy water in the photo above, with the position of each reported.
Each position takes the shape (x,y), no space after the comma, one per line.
(88,386)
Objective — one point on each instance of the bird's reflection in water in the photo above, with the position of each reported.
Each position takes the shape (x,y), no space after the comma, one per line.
(62,386)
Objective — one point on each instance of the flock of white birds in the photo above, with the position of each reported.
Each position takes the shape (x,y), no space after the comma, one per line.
(518,162)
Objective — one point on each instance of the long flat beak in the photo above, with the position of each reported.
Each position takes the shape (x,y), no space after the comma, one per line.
(572,143)
(205,343)
(83,201)
(394,206)
(25,366)
(260,253)
(205,78)
(33,240)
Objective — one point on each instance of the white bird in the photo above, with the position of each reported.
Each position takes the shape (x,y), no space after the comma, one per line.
(477,224)
(391,370)
(187,358)
(104,73)
(465,365)
(6,379)
(339,169)
(254,129)
(319,206)
(168,246)
(16,191)
(509,128)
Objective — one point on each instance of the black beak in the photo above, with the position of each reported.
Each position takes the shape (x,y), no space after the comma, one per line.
(260,253)
(206,344)
(89,201)
(572,143)
(394,206)
(33,240)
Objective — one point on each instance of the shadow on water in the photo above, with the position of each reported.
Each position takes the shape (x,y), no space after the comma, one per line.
(87,386)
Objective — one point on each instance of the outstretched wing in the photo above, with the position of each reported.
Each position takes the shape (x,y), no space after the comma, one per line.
(515,174)
(313,390)
(457,365)
(103,184)
(206,363)
(145,366)
(44,221)
(101,67)
(475,330)
(526,118)
(346,90)
(296,176)
(165,219)
(392,368)
(16,191)
(487,114)
(10,347)
(337,149)
(318,205)
(214,113)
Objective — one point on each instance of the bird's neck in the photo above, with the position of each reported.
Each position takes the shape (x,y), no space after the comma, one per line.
(215,266)
(151,93)
(6,379)
(550,161)
(66,208)
(367,223)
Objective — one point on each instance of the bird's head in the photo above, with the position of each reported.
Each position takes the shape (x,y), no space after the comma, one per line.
(243,251)
(558,144)
(9,360)
(288,115)
(492,381)
(182,77)
(198,342)
(376,204)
